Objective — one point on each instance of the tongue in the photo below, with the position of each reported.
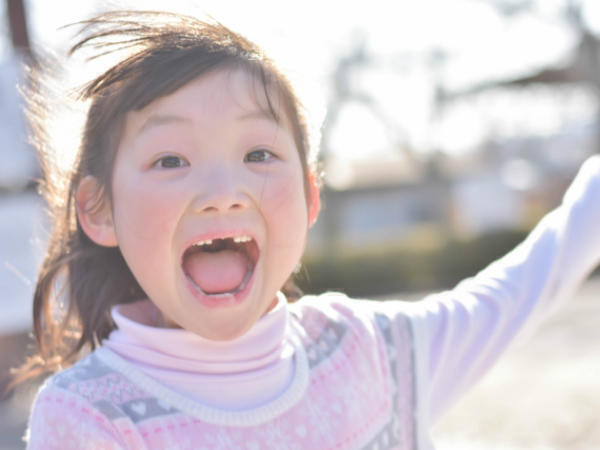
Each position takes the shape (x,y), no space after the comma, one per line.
(217,272)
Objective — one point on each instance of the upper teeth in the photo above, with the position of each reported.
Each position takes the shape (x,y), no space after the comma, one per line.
(236,239)
(206,242)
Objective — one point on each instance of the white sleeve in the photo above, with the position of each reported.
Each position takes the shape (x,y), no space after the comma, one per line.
(460,333)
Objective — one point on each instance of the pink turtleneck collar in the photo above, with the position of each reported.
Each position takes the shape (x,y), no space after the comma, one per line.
(243,373)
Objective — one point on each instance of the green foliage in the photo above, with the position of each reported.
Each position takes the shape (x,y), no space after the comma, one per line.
(426,261)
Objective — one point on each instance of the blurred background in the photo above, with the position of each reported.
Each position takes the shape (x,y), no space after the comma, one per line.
(446,129)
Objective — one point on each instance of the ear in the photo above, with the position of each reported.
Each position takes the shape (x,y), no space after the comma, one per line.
(314,200)
(94,214)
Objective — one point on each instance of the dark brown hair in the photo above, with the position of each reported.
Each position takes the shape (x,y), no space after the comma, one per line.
(79,281)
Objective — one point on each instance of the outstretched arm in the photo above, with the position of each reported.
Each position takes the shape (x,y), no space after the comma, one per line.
(463,331)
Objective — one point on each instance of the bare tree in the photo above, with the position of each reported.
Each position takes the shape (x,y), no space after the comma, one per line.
(345,92)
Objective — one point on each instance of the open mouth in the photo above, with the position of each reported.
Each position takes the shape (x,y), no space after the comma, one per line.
(222,266)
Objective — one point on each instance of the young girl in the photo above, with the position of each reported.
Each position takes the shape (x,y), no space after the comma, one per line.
(174,238)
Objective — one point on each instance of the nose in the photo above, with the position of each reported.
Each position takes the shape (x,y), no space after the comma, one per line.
(219,191)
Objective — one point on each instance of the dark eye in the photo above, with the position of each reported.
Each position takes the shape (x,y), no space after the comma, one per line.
(170,162)
(260,155)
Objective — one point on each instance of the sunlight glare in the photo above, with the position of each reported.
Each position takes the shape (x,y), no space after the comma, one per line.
(358,133)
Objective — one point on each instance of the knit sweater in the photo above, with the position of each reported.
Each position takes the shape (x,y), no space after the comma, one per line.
(347,374)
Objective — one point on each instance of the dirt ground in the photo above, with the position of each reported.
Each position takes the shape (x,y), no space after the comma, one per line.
(544,394)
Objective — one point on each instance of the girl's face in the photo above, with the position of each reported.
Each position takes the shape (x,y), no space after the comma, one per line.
(209,206)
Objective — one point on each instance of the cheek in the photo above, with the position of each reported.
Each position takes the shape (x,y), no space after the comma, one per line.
(284,204)
(142,212)
(145,220)
(286,193)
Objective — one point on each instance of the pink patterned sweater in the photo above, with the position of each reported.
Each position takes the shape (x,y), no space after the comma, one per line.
(334,399)
(369,375)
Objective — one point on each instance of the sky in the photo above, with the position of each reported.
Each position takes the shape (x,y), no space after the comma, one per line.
(306,38)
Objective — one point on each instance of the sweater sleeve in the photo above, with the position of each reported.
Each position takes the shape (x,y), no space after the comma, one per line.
(459,334)
(61,420)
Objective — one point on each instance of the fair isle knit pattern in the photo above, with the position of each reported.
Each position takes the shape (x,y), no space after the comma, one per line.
(352,388)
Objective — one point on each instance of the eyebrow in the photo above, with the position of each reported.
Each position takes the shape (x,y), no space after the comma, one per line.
(259,114)
(156,120)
